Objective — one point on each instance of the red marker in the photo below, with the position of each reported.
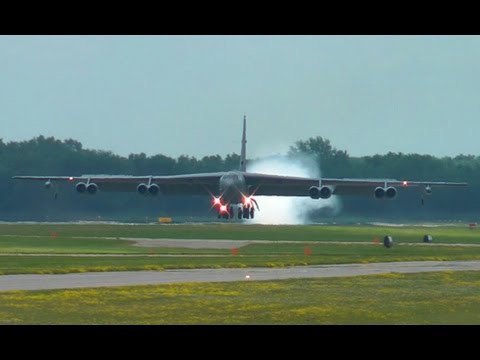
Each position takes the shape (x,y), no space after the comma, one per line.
(307,251)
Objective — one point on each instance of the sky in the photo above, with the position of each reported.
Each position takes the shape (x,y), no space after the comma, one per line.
(187,95)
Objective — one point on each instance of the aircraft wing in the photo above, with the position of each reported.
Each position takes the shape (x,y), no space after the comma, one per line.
(278,185)
(367,186)
(259,184)
(191,184)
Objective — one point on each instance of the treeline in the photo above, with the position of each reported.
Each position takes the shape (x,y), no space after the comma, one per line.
(50,156)
(337,163)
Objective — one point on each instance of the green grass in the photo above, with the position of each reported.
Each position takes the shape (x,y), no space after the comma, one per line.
(68,245)
(427,298)
(251,256)
(246,231)
(59,245)
(37,239)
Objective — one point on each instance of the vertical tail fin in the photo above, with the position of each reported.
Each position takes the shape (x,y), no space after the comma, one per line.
(243,152)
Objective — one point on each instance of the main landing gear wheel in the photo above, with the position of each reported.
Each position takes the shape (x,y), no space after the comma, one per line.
(246,212)
(240,213)
(252,212)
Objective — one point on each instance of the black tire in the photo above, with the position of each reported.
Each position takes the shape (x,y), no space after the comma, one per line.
(427,238)
(388,241)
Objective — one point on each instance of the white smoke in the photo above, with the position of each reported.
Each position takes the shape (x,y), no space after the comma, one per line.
(288,209)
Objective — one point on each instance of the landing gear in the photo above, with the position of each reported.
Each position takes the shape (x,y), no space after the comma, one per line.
(247,210)
(243,212)
(223,214)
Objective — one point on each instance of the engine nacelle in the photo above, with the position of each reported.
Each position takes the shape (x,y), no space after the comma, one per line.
(153,189)
(391,192)
(379,192)
(314,192)
(81,187)
(48,184)
(326,192)
(92,188)
(428,190)
(142,189)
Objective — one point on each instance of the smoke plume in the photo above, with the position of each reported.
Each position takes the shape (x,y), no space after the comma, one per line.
(288,210)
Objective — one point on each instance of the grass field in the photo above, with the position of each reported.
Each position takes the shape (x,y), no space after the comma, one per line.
(427,298)
(446,234)
(320,254)
(102,239)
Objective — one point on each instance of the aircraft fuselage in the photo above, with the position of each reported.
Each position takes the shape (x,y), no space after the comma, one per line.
(233,187)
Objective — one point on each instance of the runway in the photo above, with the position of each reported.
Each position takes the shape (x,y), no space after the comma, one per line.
(128,278)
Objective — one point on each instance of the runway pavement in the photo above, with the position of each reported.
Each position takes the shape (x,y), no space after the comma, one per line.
(127,278)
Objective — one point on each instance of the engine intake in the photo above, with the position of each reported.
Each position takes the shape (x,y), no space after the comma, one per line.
(314,192)
(379,192)
(391,192)
(81,187)
(153,189)
(325,192)
(92,188)
(142,189)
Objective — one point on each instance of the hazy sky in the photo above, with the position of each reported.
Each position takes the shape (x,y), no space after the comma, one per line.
(178,95)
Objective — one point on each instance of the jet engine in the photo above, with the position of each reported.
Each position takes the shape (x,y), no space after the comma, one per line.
(314,192)
(391,192)
(324,192)
(379,192)
(81,187)
(91,188)
(153,189)
(142,189)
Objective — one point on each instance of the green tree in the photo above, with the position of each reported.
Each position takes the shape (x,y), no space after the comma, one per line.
(330,160)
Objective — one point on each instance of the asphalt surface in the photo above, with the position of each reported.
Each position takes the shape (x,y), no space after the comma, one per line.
(128,278)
